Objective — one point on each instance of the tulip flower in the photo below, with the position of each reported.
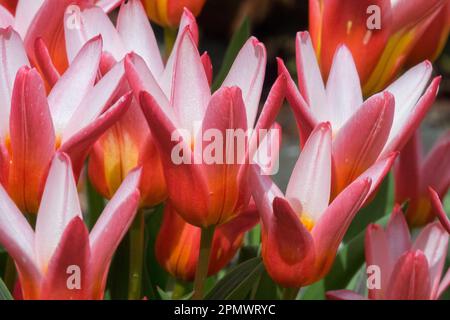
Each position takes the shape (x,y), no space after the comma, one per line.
(33,126)
(129,143)
(167,13)
(301,229)
(384,36)
(414,174)
(45,20)
(363,132)
(406,270)
(60,259)
(178,243)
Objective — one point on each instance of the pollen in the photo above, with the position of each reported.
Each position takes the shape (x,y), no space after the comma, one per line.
(307,222)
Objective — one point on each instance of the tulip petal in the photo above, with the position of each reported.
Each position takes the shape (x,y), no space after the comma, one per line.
(137,35)
(96,101)
(74,84)
(410,278)
(358,144)
(207,65)
(191,92)
(397,233)
(309,78)
(445,283)
(6,18)
(267,156)
(44,60)
(79,144)
(108,5)
(112,225)
(344,295)
(59,205)
(91,22)
(181,176)
(407,14)
(334,222)
(411,103)
(308,189)
(247,72)
(32,140)
(12,58)
(71,258)
(439,209)
(25,12)
(433,242)
(343,88)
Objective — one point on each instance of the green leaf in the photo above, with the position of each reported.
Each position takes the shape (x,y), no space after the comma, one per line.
(265,288)
(4,292)
(238,282)
(371,213)
(347,263)
(237,41)
(96,204)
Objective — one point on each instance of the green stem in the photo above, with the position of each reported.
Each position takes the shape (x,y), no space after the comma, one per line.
(203,262)
(10,274)
(170,35)
(290,293)
(136,256)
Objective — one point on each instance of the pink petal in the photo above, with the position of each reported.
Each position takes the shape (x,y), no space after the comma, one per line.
(58,207)
(410,278)
(137,35)
(6,18)
(207,65)
(247,72)
(72,251)
(191,92)
(330,229)
(74,84)
(433,242)
(26,11)
(310,79)
(12,57)
(267,156)
(308,190)
(302,112)
(96,101)
(112,225)
(78,146)
(45,62)
(397,233)
(344,295)
(343,87)
(439,209)
(92,22)
(32,140)
(108,5)
(359,142)
(409,13)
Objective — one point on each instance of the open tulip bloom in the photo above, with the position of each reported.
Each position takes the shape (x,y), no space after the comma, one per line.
(61,244)
(363,131)
(405,270)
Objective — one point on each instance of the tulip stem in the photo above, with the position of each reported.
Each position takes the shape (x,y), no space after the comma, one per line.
(203,261)
(170,35)
(290,293)
(136,256)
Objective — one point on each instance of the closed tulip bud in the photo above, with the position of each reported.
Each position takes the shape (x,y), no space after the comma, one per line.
(167,13)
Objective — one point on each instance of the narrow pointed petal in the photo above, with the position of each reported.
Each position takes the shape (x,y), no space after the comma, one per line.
(108,5)
(32,140)
(309,78)
(359,142)
(44,60)
(377,254)
(334,222)
(74,84)
(137,35)
(96,101)
(439,209)
(71,257)
(77,147)
(12,58)
(303,114)
(6,18)
(112,226)
(410,278)
(183,176)
(58,207)
(247,72)
(309,186)
(191,92)
(17,237)
(343,88)
(433,242)
(397,233)
(344,295)
(207,65)
(86,24)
